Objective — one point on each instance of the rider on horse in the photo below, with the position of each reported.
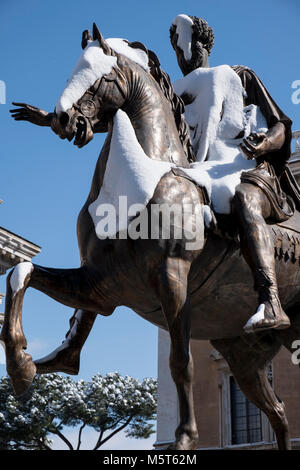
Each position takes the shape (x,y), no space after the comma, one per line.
(258,198)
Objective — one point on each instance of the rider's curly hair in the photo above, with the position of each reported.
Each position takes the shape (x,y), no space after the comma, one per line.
(203,33)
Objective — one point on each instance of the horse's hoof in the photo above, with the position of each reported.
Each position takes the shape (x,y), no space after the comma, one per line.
(22,375)
(61,360)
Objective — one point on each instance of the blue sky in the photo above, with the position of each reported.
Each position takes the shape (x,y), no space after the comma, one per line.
(45,181)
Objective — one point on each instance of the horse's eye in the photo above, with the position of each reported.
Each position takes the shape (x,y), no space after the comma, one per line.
(88,108)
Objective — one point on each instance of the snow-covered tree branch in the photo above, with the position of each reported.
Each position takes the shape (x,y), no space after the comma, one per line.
(108,404)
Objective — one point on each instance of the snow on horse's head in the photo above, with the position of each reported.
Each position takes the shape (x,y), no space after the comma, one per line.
(80,104)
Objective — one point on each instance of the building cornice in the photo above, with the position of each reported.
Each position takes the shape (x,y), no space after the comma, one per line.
(15,249)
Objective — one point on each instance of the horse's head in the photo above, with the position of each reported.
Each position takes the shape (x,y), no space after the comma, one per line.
(95,90)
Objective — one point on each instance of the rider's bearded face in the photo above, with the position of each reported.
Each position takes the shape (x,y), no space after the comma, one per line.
(199,58)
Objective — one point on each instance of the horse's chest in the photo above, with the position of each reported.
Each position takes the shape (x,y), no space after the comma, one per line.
(129,181)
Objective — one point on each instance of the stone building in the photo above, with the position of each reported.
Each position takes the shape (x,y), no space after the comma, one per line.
(225,418)
(13,250)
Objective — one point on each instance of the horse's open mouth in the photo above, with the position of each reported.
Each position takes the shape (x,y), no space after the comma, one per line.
(81,130)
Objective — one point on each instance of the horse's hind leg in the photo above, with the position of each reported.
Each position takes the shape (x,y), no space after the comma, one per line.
(172,290)
(68,286)
(249,367)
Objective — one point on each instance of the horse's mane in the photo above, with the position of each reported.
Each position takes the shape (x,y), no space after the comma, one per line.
(164,82)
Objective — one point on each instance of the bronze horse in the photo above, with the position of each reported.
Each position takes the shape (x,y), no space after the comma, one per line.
(204,294)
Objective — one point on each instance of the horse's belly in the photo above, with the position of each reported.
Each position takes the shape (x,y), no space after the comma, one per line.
(226,299)
(222,293)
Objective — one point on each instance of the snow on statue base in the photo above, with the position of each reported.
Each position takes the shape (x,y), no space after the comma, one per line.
(205,292)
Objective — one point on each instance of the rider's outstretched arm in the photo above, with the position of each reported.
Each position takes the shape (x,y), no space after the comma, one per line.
(27,112)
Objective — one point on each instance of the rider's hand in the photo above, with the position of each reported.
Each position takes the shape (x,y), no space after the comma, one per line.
(26,112)
(255,145)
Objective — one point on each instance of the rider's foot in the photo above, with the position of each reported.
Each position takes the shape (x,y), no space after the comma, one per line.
(63,359)
(269,315)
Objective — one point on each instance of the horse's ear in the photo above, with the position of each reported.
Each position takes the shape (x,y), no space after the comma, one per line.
(103,44)
(85,38)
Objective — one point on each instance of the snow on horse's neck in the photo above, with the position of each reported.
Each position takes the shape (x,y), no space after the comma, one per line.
(151,117)
(154,124)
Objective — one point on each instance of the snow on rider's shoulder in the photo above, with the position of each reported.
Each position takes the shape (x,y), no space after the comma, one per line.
(216,92)
(194,82)
(184,30)
(217,117)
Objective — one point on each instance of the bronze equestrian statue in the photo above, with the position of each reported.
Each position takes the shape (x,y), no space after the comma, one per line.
(204,293)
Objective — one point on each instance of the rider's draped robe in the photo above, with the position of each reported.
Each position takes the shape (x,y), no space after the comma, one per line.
(272,174)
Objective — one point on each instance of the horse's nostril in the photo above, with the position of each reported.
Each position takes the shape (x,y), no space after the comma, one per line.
(64,119)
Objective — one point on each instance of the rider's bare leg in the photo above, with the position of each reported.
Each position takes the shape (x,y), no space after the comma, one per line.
(252,208)
(66,358)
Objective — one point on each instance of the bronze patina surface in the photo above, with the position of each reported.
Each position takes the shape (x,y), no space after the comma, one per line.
(206,293)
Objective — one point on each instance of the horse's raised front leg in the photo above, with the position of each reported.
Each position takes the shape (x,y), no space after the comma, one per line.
(249,367)
(66,358)
(174,299)
(68,286)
